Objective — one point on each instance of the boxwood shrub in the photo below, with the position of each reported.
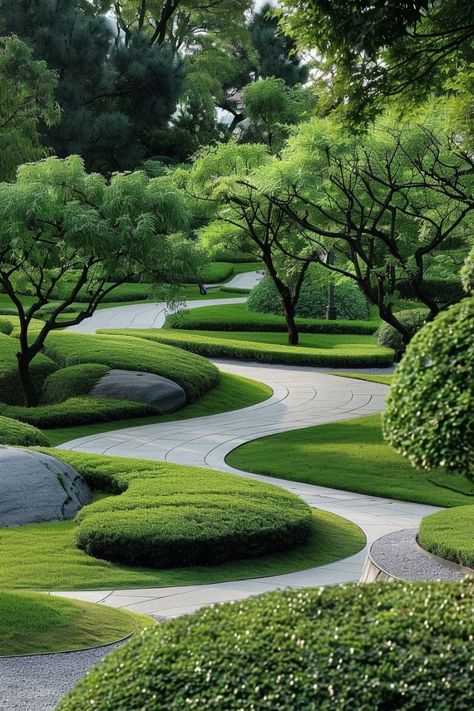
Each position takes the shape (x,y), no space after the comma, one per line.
(72,381)
(389,337)
(380,646)
(449,534)
(20,434)
(166,518)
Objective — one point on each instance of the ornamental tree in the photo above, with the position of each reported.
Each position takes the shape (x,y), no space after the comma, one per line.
(429,416)
(66,231)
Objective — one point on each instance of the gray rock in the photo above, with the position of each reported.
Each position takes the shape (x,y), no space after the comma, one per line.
(36,487)
(162,394)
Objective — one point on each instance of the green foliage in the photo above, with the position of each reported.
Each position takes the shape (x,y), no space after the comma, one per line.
(448,534)
(10,388)
(349,301)
(20,434)
(196,375)
(167,516)
(442,291)
(26,100)
(323,350)
(412,319)
(214,273)
(70,382)
(383,646)
(467,273)
(235,317)
(231,255)
(430,410)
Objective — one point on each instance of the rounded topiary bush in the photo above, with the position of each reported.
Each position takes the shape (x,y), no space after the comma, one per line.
(448,534)
(379,646)
(389,337)
(20,434)
(429,417)
(72,381)
(349,301)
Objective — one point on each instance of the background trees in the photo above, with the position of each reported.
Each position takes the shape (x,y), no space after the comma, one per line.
(65,231)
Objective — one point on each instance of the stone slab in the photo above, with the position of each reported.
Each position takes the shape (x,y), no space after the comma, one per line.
(162,394)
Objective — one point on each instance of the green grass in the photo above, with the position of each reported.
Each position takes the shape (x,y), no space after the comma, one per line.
(348,455)
(449,534)
(369,377)
(33,623)
(315,349)
(233,392)
(20,434)
(51,561)
(235,317)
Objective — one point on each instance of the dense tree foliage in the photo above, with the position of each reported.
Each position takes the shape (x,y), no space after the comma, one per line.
(65,231)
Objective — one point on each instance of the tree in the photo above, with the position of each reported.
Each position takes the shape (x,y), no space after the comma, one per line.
(247,220)
(26,100)
(65,231)
(429,413)
(374,50)
(383,205)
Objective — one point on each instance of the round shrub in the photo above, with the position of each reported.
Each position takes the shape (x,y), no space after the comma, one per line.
(448,534)
(379,646)
(72,381)
(20,434)
(389,337)
(179,521)
(429,417)
(349,301)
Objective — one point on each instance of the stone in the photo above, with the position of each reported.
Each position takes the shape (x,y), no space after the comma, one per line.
(36,487)
(162,394)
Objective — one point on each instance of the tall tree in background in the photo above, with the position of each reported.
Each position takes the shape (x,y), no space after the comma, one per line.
(26,100)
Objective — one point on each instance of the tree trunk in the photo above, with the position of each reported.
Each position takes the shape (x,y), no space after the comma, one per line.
(289,313)
(30,396)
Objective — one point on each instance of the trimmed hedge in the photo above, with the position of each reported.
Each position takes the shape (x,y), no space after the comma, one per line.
(449,534)
(441,290)
(72,381)
(263,352)
(168,516)
(196,375)
(235,317)
(384,647)
(234,256)
(389,337)
(20,434)
(10,388)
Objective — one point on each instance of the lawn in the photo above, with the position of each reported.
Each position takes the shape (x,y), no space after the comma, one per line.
(449,534)
(33,623)
(350,455)
(369,377)
(233,392)
(51,561)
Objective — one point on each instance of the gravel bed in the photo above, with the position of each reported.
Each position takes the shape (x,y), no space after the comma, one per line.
(399,555)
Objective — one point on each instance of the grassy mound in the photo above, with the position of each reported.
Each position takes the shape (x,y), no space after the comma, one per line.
(169,515)
(33,623)
(10,390)
(376,647)
(350,455)
(314,349)
(72,381)
(235,317)
(20,434)
(449,534)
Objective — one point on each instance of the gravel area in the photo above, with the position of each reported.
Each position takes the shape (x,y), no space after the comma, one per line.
(399,555)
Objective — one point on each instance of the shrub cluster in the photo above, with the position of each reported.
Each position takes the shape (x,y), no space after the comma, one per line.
(264,352)
(441,290)
(389,337)
(72,381)
(396,646)
(166,518)
(10,389)
(467,273)
(234,256)
(429,416)
(449,534)
(349,301)
(235,317)
(20,434)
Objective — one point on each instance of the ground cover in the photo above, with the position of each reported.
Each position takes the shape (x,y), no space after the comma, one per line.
(331,350)
(350,455)
(233,392)
(235,317)
(33,623)
(394,646)
(449,534)
(369,377)
(20,434)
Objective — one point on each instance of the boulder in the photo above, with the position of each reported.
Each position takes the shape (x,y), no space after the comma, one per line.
(36,487)
(162,394)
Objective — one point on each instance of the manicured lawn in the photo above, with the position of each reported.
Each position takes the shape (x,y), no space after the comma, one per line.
(32,623)
(51,561)
(231,393)
(348,455)
(450,534)
(371,378)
